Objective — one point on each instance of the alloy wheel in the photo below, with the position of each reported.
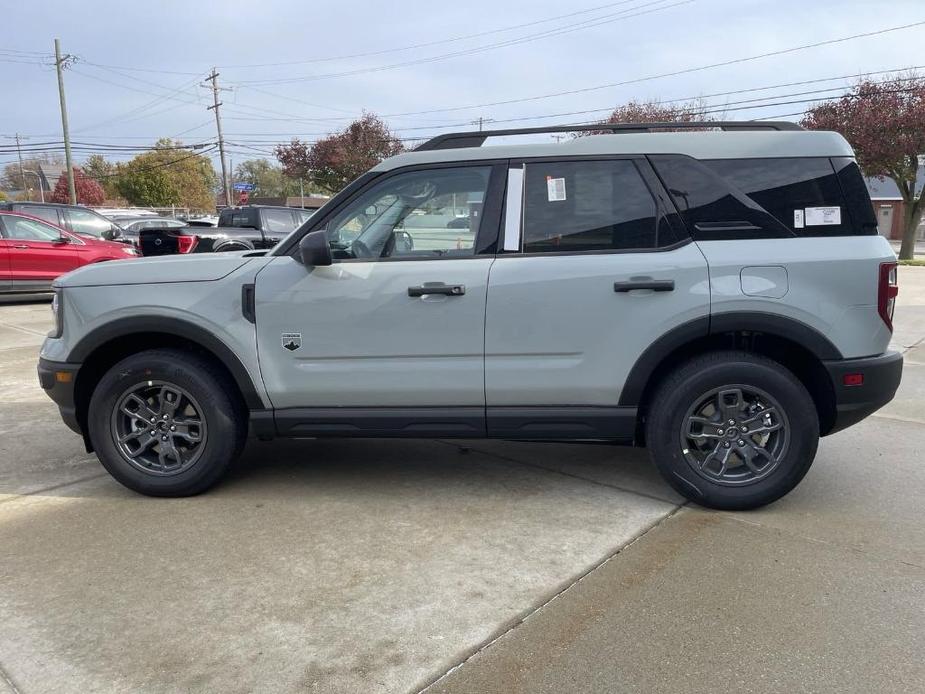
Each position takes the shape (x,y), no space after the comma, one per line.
(735,435)
(159,428)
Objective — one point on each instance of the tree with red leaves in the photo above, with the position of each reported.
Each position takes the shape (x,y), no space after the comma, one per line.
(89,192)
(336,160)
(657,112)
(885,123)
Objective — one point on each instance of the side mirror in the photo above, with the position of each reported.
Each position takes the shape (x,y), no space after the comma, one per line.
(61,240)
(314,249)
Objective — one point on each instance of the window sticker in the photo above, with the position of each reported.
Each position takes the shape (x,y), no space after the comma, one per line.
(555,189)
(823,216)
(798,219)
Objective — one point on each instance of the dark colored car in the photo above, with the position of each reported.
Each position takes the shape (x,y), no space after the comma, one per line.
(74,218)
(133,226)
(254,227)
(33,252)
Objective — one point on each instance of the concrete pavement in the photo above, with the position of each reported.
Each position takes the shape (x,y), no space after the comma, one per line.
(823,591)
(368,566)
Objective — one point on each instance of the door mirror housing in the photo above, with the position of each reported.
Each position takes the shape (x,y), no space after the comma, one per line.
(314,249)
(61,240)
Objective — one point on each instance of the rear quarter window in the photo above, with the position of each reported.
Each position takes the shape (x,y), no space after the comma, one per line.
(804,194)
(759,198)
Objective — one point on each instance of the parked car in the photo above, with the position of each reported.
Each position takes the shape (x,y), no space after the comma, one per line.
(133,226)
(75,218)
(722,298)
(247,228)
(34,252)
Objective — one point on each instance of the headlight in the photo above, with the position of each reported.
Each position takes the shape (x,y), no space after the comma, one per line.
(129,250)
(57,313)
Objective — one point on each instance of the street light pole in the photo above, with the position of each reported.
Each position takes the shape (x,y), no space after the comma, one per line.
(38,179)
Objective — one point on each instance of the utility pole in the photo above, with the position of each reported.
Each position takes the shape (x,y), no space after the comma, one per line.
(481,121)
(226,187)
(60,64)
(22,173)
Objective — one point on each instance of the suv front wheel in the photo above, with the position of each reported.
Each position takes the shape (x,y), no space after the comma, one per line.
(732,430)
(166,422)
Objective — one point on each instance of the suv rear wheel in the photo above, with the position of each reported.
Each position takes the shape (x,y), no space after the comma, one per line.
(166,422)
(732,430)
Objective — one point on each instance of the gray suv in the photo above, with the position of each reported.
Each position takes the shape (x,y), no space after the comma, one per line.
(719,296)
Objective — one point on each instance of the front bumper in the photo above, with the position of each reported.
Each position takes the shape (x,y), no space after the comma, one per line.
(881,377)
(58,380)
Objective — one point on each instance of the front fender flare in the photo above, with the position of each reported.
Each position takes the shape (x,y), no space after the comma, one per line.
(122,327)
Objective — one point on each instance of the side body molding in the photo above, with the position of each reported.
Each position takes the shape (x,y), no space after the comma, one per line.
(717,324)
(190,331)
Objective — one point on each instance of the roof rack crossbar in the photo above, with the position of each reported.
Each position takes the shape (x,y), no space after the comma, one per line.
(476,138)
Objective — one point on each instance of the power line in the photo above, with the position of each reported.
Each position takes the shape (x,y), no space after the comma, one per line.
(141,69)
(439,42)
(158,166)
(607,19)
(675,73)
(127,116)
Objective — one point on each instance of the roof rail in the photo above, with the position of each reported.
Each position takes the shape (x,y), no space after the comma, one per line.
(476,138)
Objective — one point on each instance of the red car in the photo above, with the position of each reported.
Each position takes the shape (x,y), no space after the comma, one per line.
(34,252)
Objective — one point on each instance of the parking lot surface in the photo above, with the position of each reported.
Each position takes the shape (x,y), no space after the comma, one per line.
(368,566)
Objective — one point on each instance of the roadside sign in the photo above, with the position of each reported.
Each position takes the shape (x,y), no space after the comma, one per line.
(244,186)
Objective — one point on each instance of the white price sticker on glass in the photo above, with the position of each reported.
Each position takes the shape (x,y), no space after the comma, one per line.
(823,216)
(555,189)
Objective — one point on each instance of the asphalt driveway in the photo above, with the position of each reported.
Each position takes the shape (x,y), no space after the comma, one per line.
(368,566)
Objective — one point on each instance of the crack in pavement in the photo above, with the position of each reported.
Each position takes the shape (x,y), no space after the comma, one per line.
(6,680)
(36,492)
(827,543)
(537,466)
(516,622)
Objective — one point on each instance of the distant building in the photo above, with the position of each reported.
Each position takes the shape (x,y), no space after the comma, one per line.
(49,175)
(889,206)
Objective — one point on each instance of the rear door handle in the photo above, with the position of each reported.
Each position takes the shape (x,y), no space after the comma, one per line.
(654,285)
(437,288)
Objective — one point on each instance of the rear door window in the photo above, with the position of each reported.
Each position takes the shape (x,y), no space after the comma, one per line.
(49,214)
(572,206)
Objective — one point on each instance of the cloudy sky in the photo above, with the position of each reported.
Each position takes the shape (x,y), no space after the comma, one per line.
(298,69)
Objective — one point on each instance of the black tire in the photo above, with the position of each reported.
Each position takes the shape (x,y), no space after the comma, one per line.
(223,425)
(707,379)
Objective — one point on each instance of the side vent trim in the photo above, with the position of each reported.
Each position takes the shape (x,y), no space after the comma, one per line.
(249,302)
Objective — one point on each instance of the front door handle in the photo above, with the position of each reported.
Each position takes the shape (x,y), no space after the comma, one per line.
(654,285)
(21,245)
(437,288)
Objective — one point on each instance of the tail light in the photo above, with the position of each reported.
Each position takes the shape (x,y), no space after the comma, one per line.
(887,289)
(186,244)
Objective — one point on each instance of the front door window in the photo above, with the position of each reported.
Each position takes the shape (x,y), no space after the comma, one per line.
(431,213)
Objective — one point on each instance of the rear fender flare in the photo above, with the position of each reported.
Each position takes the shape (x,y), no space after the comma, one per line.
(648,363)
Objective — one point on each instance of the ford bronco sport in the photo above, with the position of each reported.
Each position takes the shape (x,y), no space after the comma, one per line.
(719,296)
